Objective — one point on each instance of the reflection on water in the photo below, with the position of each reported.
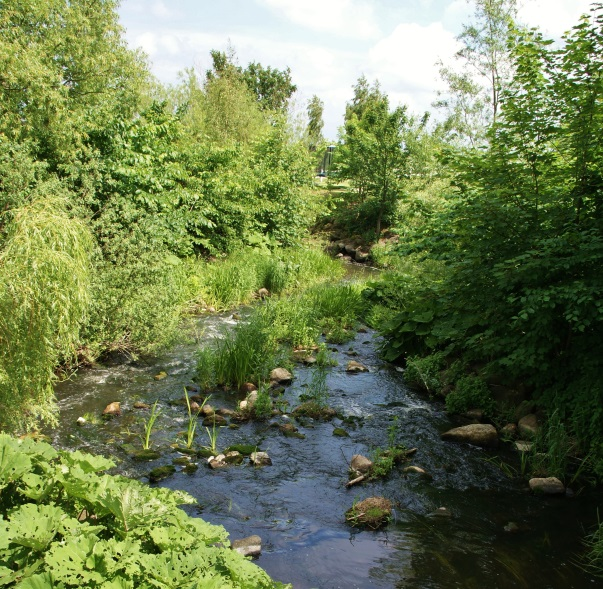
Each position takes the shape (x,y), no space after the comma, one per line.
(297,505)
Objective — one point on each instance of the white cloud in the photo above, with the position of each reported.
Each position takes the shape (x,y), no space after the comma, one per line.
(405,62)
(160,10)
(553,17)
(346,18)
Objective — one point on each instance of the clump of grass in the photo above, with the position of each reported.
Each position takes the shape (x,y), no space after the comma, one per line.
(372,513)
(148,427)
(245,354)
(551,450)
(254,347)
(262,408)
(592,561)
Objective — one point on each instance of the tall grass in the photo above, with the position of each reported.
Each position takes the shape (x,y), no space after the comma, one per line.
(234,280)
(253,348)
(246,354)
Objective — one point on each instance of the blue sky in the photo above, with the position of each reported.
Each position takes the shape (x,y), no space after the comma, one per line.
(327,44)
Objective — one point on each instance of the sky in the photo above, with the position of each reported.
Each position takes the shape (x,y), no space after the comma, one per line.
(327,44)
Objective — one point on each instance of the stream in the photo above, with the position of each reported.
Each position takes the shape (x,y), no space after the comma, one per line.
(297,505)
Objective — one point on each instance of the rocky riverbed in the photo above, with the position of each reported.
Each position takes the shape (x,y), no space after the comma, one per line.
(456,519)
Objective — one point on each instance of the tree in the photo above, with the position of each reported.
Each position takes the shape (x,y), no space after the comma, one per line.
(473,98)
(372,154)
(315,110)
(270,87)
(520,242)
(65,71)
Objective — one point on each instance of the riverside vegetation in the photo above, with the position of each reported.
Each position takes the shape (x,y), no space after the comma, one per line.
(125,205)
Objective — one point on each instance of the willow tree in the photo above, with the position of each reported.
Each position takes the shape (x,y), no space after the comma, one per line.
(44,294)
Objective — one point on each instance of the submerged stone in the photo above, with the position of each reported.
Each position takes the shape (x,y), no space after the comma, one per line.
(161,472)
(146,455)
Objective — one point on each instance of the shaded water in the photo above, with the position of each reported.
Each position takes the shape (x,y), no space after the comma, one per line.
(297,505)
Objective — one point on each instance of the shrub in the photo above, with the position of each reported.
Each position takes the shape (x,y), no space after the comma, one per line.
(470,392)
(426,373)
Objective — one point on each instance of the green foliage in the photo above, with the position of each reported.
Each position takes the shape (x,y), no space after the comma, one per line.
(262,408)
(371,153)
(44,296)
(520,241)
(470,392)
(65,525)
(426,372)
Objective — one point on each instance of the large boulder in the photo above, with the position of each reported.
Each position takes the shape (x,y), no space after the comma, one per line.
(478,434)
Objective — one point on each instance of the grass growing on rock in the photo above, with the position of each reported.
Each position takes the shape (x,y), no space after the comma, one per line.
(372,513)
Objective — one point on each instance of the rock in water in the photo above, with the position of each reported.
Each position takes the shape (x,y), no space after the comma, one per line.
(250,546)
(260,459)
(478,434)
(354,366)
(113,409)
(360,464)
(281,376)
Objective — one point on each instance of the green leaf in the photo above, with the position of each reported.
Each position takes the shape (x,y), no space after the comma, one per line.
(13,462)
(68,562)
(34,526)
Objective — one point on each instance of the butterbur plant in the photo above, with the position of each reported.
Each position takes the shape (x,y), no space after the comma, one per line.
(139,537)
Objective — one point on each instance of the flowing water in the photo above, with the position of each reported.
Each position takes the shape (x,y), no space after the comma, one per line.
(297,505)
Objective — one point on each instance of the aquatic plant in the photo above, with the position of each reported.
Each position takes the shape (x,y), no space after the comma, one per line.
(212,436)
(148,427)
(193,420)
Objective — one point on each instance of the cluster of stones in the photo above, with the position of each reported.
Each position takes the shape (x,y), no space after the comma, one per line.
(486,436)
(350,252)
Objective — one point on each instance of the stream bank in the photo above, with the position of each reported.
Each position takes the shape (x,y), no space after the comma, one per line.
(493,533)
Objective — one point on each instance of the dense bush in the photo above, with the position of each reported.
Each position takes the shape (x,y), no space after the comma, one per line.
(470,392)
